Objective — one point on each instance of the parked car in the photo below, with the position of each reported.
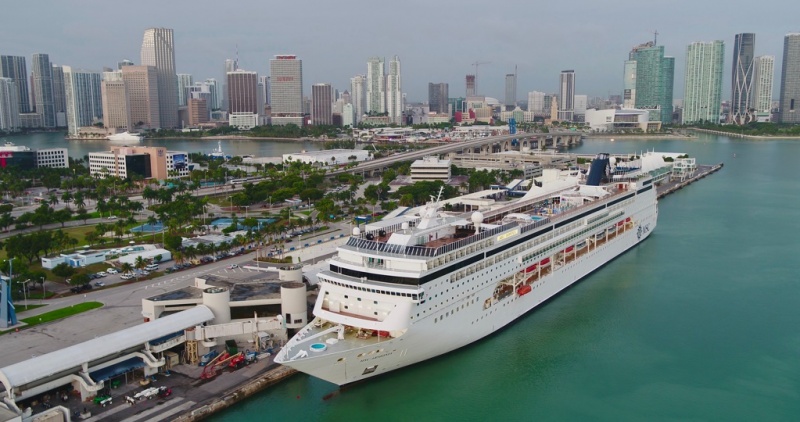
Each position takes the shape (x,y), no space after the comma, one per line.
(102,274)
(151,267)
(232,266)
(99,284)
(81,288)
(112,217)
(112,271)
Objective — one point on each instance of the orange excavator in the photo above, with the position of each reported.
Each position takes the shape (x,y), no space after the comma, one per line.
(219,362)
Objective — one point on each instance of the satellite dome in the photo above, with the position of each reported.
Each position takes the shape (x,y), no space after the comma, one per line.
(356,231)
(477,217)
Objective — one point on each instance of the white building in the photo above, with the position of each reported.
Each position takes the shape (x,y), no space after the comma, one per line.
(83,98)
(243,121)
(763,77)
(620,120)
(357,96)
(52,158)
(286,90)
(9,105)
(536,103)
(394,93)
(150,252)
(581,102)
(430,168)
(348,115)
(184,81)
(331,157)
(75,260)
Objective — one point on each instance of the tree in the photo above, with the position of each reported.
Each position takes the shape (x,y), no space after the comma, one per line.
(63,270)
(80,279)
(126,268)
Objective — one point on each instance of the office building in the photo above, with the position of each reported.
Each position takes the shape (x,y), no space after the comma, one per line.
(14,68)
(9,105)
(358,96)
(116,107)
(581,102)
(790,80)
(511,90)
(59,97)
(243,92)
(146,162)
(158,50)
(184,81)
(742,78)
(537,104)
(197,109)
(438,95)
(629,84)
(430,168)
(141,83)
(43,89)
(763,79)
(286,96)
(321,103)
(52,158)
(654,80)
(471,86)
(394,92)
(263,86)
(567,96)
(376,85)
(213,89)
(703,84)
(83,98)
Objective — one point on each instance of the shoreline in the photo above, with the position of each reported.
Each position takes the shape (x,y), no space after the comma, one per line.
(742,135)
(640,136)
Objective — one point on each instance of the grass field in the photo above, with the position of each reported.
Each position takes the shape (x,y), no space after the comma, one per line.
(59,314)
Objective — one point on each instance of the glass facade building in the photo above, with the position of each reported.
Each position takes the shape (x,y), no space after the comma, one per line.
(790,79)
(703,85)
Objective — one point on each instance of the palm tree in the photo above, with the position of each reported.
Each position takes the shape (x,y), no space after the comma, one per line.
(126,268)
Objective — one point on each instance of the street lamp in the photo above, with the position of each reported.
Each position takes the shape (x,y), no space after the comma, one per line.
(44,289)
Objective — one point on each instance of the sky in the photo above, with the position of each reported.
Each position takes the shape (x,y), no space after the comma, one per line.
(436,41)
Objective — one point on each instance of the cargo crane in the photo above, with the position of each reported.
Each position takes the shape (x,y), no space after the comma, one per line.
(210,370)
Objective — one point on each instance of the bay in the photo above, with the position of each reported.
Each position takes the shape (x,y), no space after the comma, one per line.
(700,322)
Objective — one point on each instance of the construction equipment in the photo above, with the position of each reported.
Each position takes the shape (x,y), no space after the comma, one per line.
(210,370)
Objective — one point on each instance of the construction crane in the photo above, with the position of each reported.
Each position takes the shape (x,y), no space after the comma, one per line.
(476,64)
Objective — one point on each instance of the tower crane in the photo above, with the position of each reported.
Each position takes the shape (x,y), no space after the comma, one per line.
(476,64)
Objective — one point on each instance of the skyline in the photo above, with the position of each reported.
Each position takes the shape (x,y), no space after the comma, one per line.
(437,46)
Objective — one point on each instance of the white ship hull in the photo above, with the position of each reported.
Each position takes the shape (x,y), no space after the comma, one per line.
(455,314)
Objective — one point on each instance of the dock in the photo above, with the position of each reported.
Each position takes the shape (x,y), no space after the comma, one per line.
(671,186)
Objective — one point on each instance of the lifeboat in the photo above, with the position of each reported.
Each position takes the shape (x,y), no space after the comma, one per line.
(620,223)
(569,249)
(523,290)
(545,261)
(531,268)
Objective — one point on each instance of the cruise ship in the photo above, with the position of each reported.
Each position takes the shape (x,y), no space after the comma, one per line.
(410,288)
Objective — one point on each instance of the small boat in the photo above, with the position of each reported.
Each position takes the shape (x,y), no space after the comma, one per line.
(125,137)
(217,153)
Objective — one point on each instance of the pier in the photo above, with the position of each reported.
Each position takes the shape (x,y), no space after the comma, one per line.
(670,186)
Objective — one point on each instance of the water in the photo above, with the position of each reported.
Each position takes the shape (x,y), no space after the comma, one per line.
(700,322)
(79,149)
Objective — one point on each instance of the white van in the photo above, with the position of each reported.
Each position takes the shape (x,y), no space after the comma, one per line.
(151,267)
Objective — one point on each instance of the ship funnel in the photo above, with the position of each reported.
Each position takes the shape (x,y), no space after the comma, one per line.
(599,171)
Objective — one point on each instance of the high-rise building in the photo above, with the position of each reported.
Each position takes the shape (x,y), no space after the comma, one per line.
(742,78)
(59,97)
(13,67)
(376,84)
(629,85)
(83,98)
(394,92)
(438,95)
(763,78)
(264,87)
(43,88)
(567,96)
(470,85)
(213,88)
(9,105)
(321,103)
(123,63)
(243,92)
(511,89)
(790,79)
(141,84)
(197,111)
(184,81)
(654,80)
(536,103)
(358,96)
(116,107)
(158,50)
(581,102)
(286,96)
(703,84)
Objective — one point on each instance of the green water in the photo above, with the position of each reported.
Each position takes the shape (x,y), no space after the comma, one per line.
(700,322)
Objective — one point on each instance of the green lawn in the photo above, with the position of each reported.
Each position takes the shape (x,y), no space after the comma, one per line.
(23,308)
(59,314)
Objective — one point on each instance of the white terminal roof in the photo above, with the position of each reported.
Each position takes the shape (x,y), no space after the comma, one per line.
(53,363)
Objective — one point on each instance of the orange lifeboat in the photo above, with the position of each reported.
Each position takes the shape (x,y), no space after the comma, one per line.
(523,290)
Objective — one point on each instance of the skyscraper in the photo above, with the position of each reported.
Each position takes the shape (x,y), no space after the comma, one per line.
(263,84)
(536,103)
(286,81)
(703,85)
(438,95)
(358,96)
(59,97)
(158,50)
(143,91)
(742,78)
(9,105)
(567,96)
(470,85)
(511,89)
(243,92)
(215,103)
(654,79)
(376,84)
(13,67)
(43,89)
(83,98)
(321,103)
(116,107)
(763,78)
(184,81)
(629,85)
(790,79)
(394,92)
